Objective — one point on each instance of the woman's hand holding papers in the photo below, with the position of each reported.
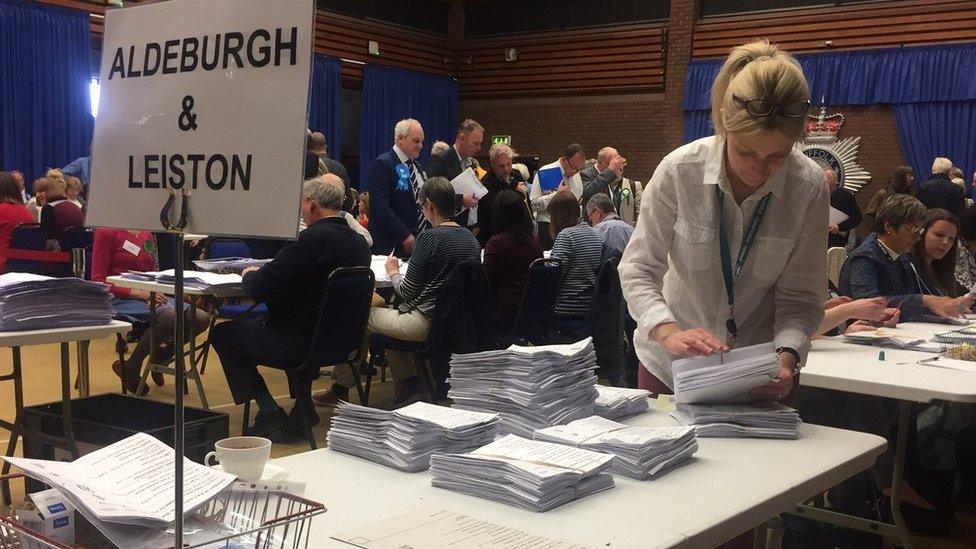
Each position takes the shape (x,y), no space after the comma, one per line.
(145,296)
(778,388)
(694,342)
(948,307)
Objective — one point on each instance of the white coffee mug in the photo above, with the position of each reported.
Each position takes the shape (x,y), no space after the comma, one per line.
(241,456)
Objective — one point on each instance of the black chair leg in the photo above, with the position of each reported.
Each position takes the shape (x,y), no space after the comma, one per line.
(363,397)
(121,347)
(426,377)
(370,369)
(247,417)
(303,402)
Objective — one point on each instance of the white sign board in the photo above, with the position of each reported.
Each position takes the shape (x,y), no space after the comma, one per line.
(205,95)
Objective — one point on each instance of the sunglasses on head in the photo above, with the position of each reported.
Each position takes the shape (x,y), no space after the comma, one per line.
(761,107)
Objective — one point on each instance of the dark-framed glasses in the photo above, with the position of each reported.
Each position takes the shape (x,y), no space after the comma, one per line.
(761,107)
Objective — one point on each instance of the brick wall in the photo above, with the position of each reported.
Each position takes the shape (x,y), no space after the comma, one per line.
(543,126)
(681,23)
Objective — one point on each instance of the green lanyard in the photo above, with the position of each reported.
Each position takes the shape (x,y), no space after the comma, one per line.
(747,241)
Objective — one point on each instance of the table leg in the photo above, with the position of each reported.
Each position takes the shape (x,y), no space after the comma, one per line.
(17,426)
(69,432)
(84,373)
(898,474)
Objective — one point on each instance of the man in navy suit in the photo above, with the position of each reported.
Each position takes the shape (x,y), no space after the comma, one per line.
(456,159)
(394,179)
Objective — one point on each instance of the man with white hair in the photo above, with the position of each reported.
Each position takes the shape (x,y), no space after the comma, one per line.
(394,180)
(292,285)
(500,176)
(939,191)
(843,201)
(601,176)
(616,232)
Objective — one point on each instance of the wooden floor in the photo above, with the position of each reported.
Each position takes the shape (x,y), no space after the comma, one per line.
(42,384)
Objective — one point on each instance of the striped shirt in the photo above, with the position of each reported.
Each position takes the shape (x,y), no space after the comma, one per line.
(580,248)
(438,251)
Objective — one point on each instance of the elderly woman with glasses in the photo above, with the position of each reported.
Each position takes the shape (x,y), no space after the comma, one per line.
(881,265)
(729,248)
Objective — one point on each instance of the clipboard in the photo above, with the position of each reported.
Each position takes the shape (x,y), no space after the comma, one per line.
(550,178)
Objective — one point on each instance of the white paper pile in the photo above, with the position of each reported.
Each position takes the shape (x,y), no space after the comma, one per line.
(740,420)
(229,265)
(528,473)
(405,438)
(617,402)
(198,280)
(724,378)
(640,452)
(529,387)
(886,337)
(35,302)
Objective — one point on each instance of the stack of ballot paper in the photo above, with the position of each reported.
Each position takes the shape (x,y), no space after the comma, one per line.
(528,473)
(35,302)
(198,280)
(617,402)
(229,265)
(726,377)
(405,438)
(529,387)
(640,452)
(731,420)
(886,337)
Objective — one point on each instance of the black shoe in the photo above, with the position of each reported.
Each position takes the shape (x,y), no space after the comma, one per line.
(294,426)
(268,424)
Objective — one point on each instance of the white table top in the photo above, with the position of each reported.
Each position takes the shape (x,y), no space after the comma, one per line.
(169,289)
(833,364)
(729,487)
(63,335)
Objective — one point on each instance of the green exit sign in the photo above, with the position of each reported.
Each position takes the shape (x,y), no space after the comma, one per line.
(501,139)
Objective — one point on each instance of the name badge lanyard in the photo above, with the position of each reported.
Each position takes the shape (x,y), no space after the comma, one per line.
(748,239)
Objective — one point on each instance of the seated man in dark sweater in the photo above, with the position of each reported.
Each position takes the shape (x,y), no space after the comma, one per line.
(291,285)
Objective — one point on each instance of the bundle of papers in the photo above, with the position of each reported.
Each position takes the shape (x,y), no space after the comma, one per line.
(740,421)
(35,302)
(617,402)
(405,438)
(129,482)
(229,265)
(198,280)
(529,387)
(885,337)
(535,475)
(639,452)
(378,266)
(724,378)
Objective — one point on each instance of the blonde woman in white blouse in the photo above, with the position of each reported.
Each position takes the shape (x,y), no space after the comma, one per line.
(747,186)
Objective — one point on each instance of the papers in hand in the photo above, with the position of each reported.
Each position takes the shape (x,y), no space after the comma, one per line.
(531,474)
(550,178)
(617,402)
(529,387)
(724,378)
(229,265)
(378,265)
(639,452)
(405,438)
(837,217)
(467,183)
(35,302)
(199,280)
(730,420)
(885,337)
(129,482)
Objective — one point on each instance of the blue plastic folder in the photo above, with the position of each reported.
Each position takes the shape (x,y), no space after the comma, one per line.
(550,178)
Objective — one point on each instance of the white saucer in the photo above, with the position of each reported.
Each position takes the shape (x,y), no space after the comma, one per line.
(272,473)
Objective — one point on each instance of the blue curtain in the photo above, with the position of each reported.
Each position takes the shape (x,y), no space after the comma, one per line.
(390,95)
(934,115)
(943,128)
(325,103)
(45,111)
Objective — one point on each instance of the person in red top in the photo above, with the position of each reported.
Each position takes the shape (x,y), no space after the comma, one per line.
(59,213)
(12,213)
(116,251)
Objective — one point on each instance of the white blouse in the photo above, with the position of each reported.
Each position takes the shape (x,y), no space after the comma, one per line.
(671,270)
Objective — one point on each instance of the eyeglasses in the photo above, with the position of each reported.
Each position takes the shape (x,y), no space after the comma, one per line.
(760,107)
(914,229)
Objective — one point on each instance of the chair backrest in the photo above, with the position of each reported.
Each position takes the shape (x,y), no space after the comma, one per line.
(606,323)
(77,238)
(835,261)
(338,333)
(220,248)
(534,317)
(27,236)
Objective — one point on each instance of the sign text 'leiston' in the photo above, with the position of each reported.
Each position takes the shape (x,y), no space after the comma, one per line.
(225,51)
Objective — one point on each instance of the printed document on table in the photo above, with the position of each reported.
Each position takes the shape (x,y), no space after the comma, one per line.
(467,183)
(432,526)
(837,217)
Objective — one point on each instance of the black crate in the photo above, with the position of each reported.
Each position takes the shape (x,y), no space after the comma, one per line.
(100,420)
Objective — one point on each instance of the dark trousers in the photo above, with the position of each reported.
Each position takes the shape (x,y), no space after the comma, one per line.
(545,238)
(242,345)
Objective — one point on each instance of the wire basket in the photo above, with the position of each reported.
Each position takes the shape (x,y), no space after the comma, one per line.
(958,344)
(244,515)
